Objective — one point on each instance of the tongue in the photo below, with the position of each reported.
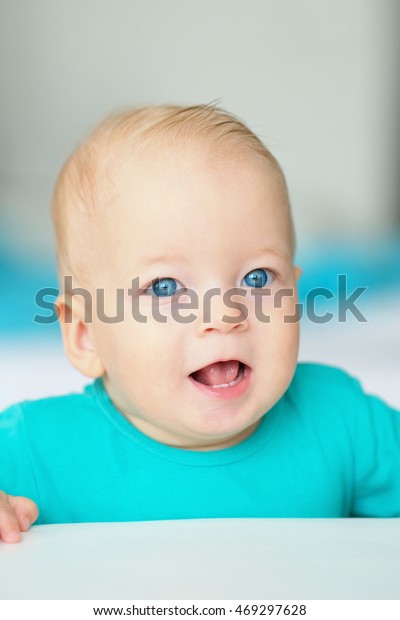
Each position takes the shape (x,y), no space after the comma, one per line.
(220,372)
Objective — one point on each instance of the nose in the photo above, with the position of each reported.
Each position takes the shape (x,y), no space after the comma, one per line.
(217,314)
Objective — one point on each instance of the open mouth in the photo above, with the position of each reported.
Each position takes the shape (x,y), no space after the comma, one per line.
(224,380)
(220,375)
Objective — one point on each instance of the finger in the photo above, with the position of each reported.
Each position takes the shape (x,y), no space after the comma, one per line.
(25,511)
(9,526)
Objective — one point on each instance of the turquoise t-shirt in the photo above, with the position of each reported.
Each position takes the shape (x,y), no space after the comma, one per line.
(324,450)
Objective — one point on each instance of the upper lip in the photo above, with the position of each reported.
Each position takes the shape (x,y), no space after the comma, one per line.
(220,359)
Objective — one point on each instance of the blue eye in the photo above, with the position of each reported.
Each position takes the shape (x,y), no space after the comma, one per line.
(258,278)
(163,287)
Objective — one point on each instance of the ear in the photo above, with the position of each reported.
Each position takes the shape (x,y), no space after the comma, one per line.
(77,334)
(298,272)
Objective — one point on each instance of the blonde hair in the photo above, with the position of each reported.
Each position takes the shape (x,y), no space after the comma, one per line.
(85,181)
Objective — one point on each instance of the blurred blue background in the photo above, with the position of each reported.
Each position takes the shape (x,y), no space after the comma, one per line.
(318,81)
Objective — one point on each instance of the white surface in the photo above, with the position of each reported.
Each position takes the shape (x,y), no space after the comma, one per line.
(206,559)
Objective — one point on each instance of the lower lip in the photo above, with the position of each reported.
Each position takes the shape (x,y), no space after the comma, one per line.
(226,393)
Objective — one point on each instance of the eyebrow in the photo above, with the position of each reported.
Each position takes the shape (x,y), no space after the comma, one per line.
(280,253)
(150,260)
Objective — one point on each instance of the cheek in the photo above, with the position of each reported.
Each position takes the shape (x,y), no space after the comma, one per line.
(285,319)
(278,328)
(140,349)
(277,307)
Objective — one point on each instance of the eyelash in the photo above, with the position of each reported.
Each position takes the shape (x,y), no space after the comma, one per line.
(270,279)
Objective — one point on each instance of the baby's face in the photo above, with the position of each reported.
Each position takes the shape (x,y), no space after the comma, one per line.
(181,220)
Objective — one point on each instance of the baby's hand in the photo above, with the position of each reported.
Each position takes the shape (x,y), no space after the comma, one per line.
(16,515)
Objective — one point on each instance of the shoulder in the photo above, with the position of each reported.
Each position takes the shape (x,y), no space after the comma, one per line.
(49,411)
(322,381)
(326,392)
(330,390)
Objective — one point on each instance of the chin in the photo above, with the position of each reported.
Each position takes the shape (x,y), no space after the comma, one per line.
(223,423)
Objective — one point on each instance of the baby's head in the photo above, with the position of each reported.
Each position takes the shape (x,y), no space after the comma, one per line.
(177,223)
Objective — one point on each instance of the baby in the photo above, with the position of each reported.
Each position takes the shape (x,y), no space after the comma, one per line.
(176,261)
